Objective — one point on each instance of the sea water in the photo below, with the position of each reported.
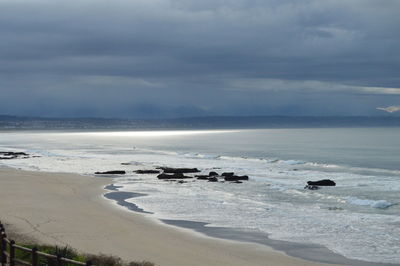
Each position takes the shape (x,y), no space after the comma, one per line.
(359,218)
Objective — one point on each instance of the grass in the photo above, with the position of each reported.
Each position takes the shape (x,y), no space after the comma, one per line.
(69,253)
(66,252)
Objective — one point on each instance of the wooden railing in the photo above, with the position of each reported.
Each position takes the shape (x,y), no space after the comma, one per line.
(8,250)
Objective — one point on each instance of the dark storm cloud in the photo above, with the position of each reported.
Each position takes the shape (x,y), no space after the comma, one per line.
(175,58)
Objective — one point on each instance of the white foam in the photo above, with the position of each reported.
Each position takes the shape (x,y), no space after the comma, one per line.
(201,156)
(291,162)
(380,204)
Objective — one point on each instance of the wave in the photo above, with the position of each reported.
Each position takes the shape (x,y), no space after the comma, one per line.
(291,162)
(201,156)
(379,204)
(163,152)
(346,168)
(304,165)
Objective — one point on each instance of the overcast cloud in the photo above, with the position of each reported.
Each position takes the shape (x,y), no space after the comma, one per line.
(145,58)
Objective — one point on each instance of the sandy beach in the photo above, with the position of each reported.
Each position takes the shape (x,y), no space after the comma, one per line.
(68,209)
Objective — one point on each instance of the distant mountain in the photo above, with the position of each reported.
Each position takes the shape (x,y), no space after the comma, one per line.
(40,123)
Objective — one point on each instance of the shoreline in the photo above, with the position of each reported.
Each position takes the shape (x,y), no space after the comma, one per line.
(223,237)
(309,252)
(69,209)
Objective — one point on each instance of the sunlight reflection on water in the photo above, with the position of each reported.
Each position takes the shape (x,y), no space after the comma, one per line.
(152,133)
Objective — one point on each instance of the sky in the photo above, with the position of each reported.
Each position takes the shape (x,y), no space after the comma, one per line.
(176,58)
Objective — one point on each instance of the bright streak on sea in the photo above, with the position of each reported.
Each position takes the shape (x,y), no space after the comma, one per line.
(165,133)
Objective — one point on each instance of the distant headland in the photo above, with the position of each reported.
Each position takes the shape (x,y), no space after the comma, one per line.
(8,122)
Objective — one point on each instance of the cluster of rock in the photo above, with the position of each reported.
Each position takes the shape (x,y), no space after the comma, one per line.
(169,173)
(230,176)
(177,174)
(314,185)
(8,155)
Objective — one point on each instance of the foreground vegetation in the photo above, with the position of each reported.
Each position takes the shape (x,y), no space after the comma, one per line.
(69,253)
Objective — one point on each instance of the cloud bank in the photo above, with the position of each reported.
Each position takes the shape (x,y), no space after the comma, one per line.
(166,58)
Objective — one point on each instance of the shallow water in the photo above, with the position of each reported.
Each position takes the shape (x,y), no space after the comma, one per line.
(359,218)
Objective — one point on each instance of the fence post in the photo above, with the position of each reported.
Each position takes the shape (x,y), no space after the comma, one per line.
(12,253)
(1,243)
(59,260)
(3,248)
(34,256)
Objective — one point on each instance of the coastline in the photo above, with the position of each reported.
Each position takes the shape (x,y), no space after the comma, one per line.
(69,209)
(308,252)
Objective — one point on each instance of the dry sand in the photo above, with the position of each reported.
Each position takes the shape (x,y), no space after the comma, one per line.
(67,209)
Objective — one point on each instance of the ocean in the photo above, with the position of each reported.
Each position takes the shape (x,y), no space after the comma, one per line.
(358,218)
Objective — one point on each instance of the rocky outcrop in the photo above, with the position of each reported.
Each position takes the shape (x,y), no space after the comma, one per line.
(8,155)
(226,174)
(324,182)
(202,177)
(115,172)
(11,153)
(169,170)
(147,171)
(236,178)
(314,185)
(173,176)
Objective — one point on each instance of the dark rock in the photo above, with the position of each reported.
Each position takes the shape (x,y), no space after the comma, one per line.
(169,170)
(237,182)
(125,163)
(236,178)
(325,182)
(202,177)
(8,158)
(116,172)
(8,155)
(213,179)
(181,182)
(334,208)
(228,174)
(20,153)
(147,172)
(173,176)
(213,174)
(311,187)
